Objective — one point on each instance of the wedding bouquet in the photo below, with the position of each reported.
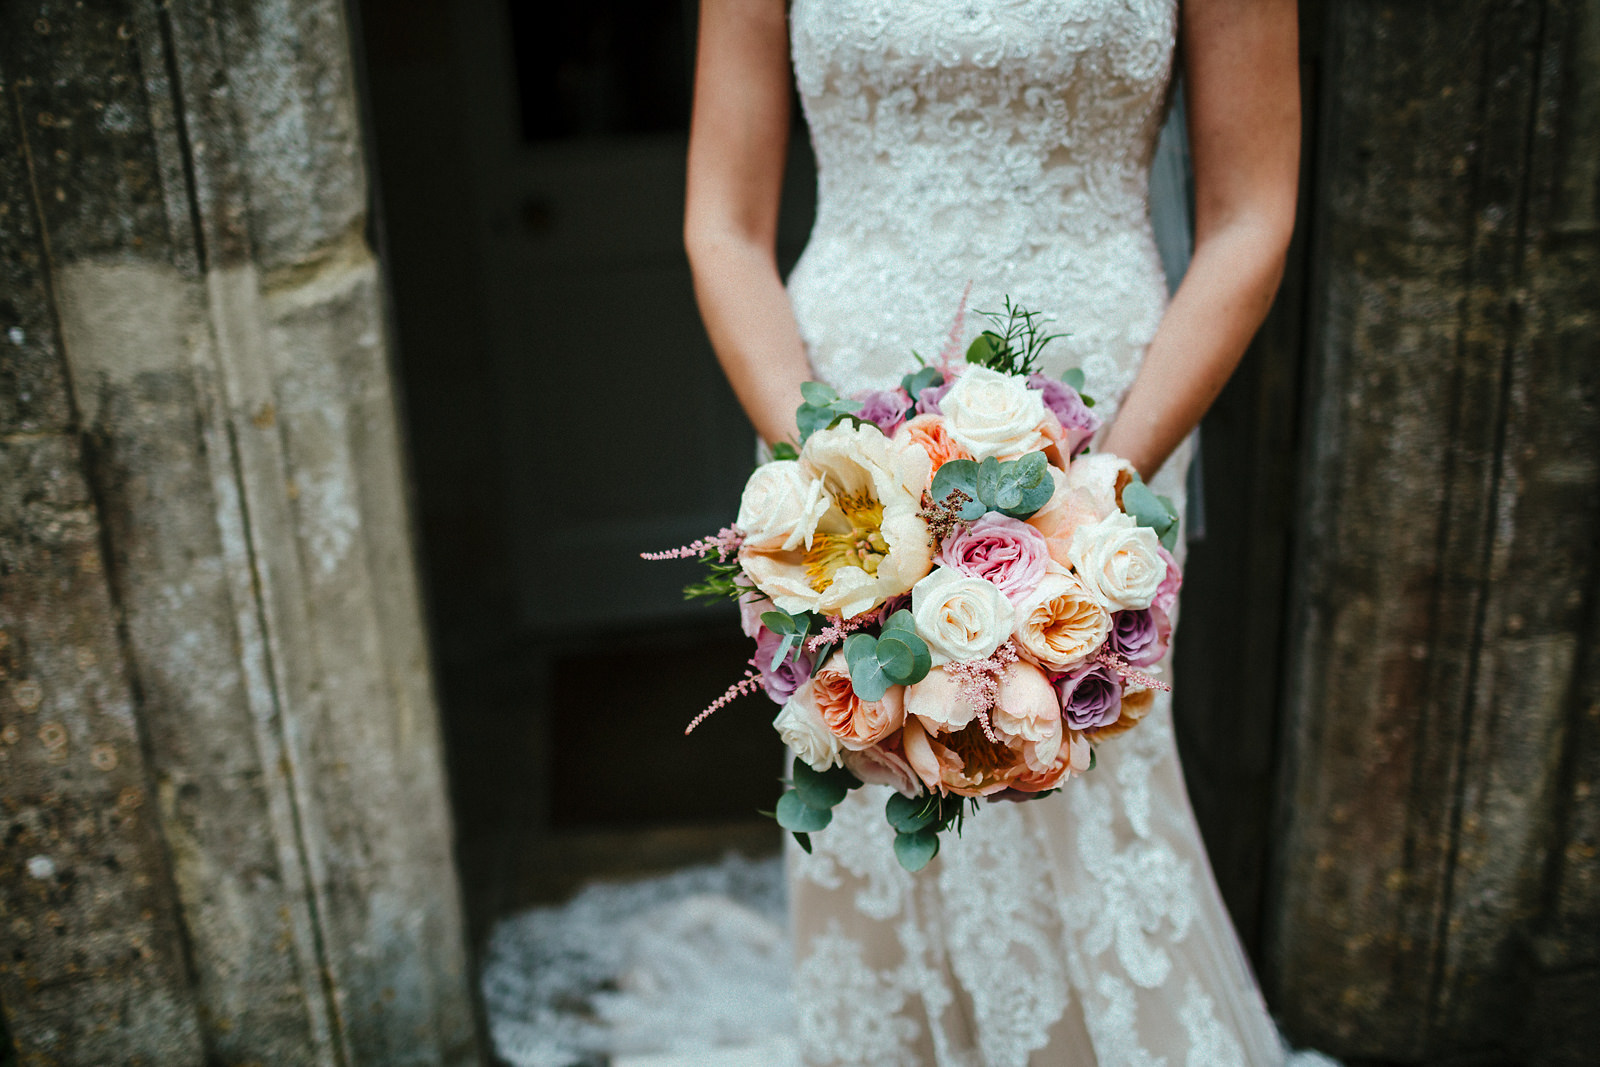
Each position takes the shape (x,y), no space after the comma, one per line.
(948,593)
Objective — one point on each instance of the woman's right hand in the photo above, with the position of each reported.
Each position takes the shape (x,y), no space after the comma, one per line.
(738,138)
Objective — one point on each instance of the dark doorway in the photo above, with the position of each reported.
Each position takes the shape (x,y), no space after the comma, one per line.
(564,413)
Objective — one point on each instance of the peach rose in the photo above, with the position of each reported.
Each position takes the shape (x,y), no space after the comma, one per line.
(855,722)
(1062,623)
(931,433)
(938,702)
(964,762)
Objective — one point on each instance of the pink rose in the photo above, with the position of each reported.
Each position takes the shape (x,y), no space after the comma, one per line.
(1003,550)
(855,722)
(884,765)
(1167,591)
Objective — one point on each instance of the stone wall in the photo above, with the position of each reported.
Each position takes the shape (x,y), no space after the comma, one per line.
(223,830)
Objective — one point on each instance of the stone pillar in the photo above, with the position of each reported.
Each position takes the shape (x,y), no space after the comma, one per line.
(224,837)
(1438,892)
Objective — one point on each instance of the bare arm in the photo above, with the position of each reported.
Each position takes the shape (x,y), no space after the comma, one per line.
(1242,82)
(737,139)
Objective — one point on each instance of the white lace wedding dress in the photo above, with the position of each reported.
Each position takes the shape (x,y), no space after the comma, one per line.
(1006,143)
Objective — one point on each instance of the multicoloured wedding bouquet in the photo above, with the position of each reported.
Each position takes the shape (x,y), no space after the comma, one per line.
(948,593)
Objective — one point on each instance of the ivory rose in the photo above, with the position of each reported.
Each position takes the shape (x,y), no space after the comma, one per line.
(994,414)
(960,618)
(869,544)
(1027,715)
(1118,560)
(855,722)
(930,432)
(780,506)
(800,726)
(1003,550)
(1062,623)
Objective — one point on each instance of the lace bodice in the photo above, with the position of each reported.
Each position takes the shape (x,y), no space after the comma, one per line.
(1002,142)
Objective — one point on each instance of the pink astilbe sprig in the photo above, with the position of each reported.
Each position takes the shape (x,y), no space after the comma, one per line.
(725,542)
(836,630)
(1128,672)
(952,351)
(748,684)
(978,681)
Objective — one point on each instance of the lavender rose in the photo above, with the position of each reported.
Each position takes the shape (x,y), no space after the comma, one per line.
(928,399)
(884,408)
(791,674)
(1068,407)
(1091,696)
(1006,551)
(1141,636)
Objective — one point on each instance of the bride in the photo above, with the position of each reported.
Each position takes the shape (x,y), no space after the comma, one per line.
(1005,144)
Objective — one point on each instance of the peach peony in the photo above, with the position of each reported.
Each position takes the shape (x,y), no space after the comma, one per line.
(931,433)
(1071,758)
(855,722)
(1027,716)
(964,762)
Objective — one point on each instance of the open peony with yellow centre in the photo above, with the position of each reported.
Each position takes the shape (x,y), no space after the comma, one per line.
(1118,560)
(1062,622)
(993,414)
(868,544)
(961,618)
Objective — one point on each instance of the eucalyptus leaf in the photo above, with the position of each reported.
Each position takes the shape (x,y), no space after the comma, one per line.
(916,850)
(820,789)
(910,814)
(988,480)
(959,474)
(1145,507)
(787,645)
(1073,377)
(896,658)
(900,620)
(1169,539)
(1031,469)
(804,841)
(916,382)
(866,674)
(779,622)
(818,393)
(1091,759)
(797,816)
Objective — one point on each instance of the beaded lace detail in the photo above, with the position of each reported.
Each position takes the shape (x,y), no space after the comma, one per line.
(1002,142)
(1006,143)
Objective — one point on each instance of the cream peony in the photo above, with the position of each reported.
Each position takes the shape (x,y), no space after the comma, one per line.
(780,506)
(1062,623)
(869,543)
(993,414)
(800,725)
(1119,561)
(960,618)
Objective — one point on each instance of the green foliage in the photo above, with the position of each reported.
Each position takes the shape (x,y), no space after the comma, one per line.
(808,806)
(792,628)
(822,408)
(916,382)
(917,823)
(719,582)
(1073,378)
(784,450)
(1015,487)
(1014,345)
(897,656)
(1157,512)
